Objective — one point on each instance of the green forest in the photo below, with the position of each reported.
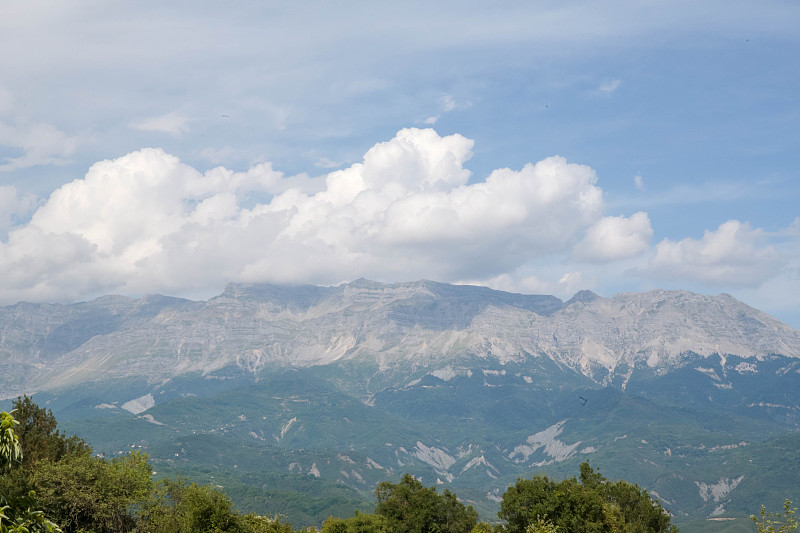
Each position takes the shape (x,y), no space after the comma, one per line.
(50,482)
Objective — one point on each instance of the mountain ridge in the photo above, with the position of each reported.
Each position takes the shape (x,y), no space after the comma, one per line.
(255,326)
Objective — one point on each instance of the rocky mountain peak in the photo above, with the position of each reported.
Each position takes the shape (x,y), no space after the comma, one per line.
(584,296)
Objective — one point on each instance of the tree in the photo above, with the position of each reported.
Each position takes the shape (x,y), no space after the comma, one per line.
(84,492)
(253,523)
(360,523)
(79,491)
(39,436)
(776,522)
(412,508)
(541,525)
(591,505)
(181,507)
(483,527)
(39,440)
(17,515)
(566,504)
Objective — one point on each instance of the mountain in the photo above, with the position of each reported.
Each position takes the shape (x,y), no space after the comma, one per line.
(407,325)
(329,390)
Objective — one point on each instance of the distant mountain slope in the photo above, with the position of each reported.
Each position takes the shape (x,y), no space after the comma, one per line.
(45,346)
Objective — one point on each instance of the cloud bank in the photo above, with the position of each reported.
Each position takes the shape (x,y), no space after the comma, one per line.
(146,222)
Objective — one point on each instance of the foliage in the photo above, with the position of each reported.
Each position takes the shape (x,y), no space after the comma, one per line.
(84,492)
(17,514)
(769,522)
(541,525)
(412,508)
(360,523)
(591,505)
(21,517)
(253,523)
(39,440)
(10,449)
(38,434)
(181,507)
(483,527)
(79,491)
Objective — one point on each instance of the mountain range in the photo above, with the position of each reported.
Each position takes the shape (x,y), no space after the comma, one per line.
(280,391)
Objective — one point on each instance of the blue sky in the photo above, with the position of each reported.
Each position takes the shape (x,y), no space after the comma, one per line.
(171,148)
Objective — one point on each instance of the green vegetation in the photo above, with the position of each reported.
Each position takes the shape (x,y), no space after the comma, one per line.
(360,523)
(17,513)
(85,493)
(410,507)
(181,507)
(769,522)
(53,483)
(591,504)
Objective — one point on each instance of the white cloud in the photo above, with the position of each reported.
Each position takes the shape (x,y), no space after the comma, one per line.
(145,222)
(173,123)
(638,182)
(734,254)
(446,104)
(325,162)
(567,285)
(41,144)
(612,238)
(609,86)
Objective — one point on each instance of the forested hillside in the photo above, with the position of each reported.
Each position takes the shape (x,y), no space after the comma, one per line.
(54,483)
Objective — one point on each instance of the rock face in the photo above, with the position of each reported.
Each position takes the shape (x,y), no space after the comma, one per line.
(419,324)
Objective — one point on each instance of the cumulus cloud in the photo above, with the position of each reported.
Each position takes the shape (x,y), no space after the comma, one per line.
(733,254)
(146,222)
(612,238)
(173,123)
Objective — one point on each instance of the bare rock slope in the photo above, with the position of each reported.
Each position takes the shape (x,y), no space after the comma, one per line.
(45,346)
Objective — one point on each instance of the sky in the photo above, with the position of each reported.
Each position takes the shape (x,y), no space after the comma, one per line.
(535,147)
